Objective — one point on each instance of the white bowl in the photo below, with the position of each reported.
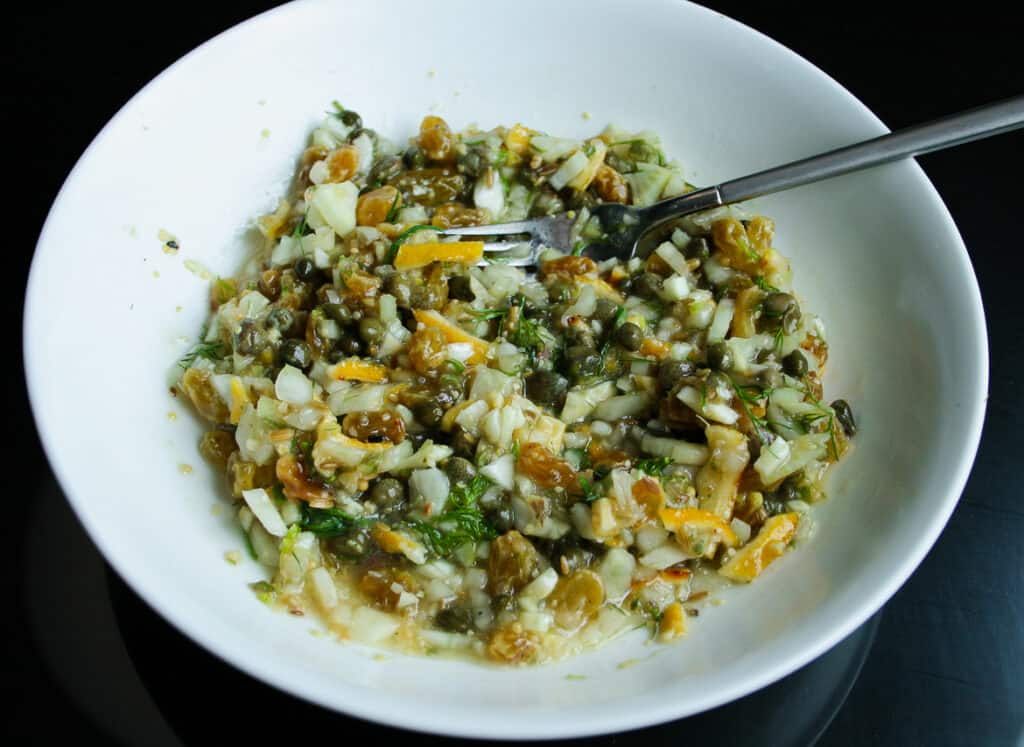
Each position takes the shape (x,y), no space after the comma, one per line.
(211,143)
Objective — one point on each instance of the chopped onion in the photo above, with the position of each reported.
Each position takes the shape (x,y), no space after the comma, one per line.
(673,258)
(429,490)
(264,509)
(541,586)
(293,387)
(501,471)
(721,320)
(664,556)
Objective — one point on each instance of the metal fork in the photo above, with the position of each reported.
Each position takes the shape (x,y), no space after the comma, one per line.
(624,225)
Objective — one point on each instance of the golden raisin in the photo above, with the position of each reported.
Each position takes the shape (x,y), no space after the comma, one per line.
(427,349)
(270,284)
(610,185)
(374,426)
(198,385)
(342,164)
(512,564)
(373,207)
(436,139)
(297,486)
(545,469)
(243,475)
(514,644)
(430,187)
(379,587)
(360,287)
(216,447)
(455,214)
(309,156)
(570,265)
(760,231)
(731,240)
(576,599)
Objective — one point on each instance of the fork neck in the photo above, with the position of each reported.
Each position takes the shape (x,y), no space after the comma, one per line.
(676,207)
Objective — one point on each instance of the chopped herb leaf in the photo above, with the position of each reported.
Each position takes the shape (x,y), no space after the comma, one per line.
(211,351)
(403,237)
(393,210)
(655,467)
(461,522)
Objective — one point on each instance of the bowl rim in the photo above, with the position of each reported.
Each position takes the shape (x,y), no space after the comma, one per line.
(457,722)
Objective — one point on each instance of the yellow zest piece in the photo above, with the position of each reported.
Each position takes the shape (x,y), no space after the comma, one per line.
(452,333)
(354,369)
(748,563)
(602,288)
(652,346)
(239,399)
(411,256)
(583,179)
(355,443)
(676,519)
(673,623)
(518,140)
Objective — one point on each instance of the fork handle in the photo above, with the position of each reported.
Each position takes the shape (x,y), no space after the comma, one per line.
(956,129)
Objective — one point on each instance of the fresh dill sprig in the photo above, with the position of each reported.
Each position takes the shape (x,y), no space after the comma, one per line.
(654,466)
(751,395)
(328,522)
(764,285)
(403,237)
(590,494)
(461,522)
(211,351)
(300,228)
(483,315)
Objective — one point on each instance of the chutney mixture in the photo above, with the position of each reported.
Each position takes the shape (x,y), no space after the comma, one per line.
(438,453)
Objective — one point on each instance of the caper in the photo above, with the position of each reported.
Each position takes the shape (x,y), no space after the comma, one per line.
(789,490)
(371,330)
(778,304)
(354,543)
(339,312)
(547,388)
(795,364)
(559,292)
(460,288)
(250,339)
(458,619)
(281,319)
(414,158)
(296,353)
(385,170)
(305,269)
(769,378)
(388,495)
(697,249)
(605,310)
(502,518)
(791,320)
(372,134)
(460,471)
(584,361)
(349,344)
(462,442)
(629,336)
(448,392)
(351,118)
(471,163)
(845,416)
(719,357)
(645,285)
(672,372)
(429,413)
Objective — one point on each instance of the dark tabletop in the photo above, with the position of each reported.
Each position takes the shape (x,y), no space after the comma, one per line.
(945,664)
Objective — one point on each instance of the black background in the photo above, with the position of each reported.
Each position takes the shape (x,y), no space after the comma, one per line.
(945,667)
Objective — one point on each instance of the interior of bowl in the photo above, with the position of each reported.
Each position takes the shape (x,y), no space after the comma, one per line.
(211,144)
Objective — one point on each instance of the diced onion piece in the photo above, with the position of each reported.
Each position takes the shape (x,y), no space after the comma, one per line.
(711,410)
(293,387)
(367,397)
(673,257)
(429,490)
(411,256)
(664,556)
(552,148)
(616,571)
(489,193)
(501,471)
(773,456)
(541,586)
(622,406)
(324,590)
(336,204)
(263,508)
(676,288)
(572,167)
(721,320)
(682,452)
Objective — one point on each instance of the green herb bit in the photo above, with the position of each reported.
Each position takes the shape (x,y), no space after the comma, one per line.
(462,521)
(393,210)
(590,494)
(764,285)
(300,229)
(211,351)
(403,237)
(655,467)
(456,367)
(752,395)
(327,522)
(264,590)
(486,314)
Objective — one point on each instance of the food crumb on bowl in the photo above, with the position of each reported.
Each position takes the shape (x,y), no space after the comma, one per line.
(185,469)
(233,557)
